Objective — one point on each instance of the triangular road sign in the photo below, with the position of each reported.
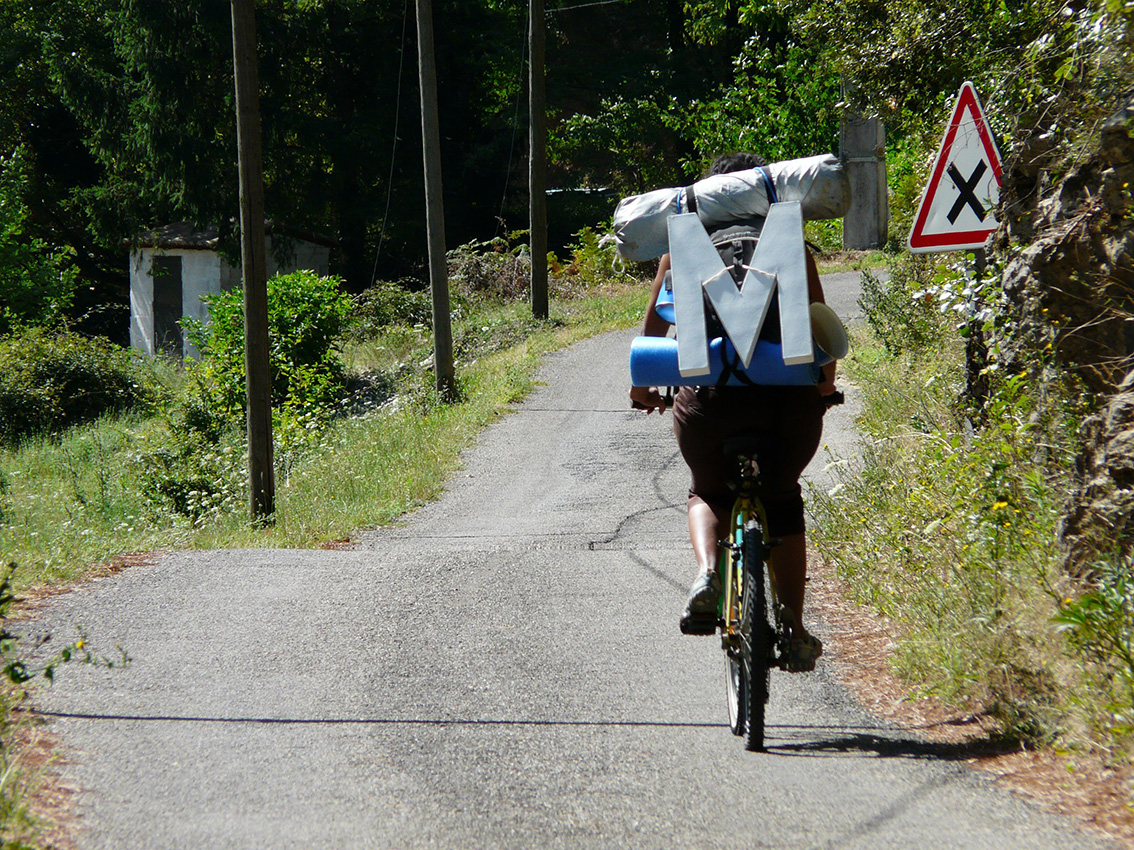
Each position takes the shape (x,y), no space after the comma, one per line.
(956,210)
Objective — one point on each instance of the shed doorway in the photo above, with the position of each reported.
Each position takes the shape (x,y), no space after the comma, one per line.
(168,306)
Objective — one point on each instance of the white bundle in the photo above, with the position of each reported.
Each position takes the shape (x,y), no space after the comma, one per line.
(819,183)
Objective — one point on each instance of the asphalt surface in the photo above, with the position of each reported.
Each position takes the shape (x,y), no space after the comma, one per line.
(503,670)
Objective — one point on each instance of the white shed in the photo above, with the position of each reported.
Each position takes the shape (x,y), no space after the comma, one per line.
(174,267)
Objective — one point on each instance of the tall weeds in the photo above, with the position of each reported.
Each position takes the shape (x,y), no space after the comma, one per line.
(949,528)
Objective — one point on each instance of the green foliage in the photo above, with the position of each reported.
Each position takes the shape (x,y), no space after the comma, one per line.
(619,144)
(53,380)
(594,264)
(196,474)
(37,281)
(389,303)
(1099,623)
(950,530)
(899,308)
(306,314)
(497,269)
(781,103)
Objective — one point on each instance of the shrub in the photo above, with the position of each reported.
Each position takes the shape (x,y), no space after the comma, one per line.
(306,314)
(52,380)
(388,304)
(594,263)
(498,268)
(901,310)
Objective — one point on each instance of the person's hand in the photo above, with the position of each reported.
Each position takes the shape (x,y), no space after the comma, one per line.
(647,399)
(827,381)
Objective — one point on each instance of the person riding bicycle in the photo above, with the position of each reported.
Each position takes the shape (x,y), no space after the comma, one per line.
(789,422)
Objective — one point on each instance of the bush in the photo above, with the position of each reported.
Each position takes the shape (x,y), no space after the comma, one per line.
(901,309)
(306,314)
(594,263)
(498,268)
(52,380)
(389,304)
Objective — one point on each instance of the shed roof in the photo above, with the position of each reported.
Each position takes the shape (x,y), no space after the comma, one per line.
(183,235)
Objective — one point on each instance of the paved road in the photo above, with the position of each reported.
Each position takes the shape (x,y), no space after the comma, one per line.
(504,670)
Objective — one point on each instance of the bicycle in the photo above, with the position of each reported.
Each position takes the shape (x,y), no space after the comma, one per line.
(756,629)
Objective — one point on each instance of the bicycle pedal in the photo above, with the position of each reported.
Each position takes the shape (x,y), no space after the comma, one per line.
(699,624)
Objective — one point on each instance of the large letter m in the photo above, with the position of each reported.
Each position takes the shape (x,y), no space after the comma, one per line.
(778,268)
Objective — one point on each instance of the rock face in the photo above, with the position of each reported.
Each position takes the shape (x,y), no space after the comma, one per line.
(1071,297)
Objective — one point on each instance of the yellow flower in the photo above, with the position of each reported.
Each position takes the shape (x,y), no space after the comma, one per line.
(998,505)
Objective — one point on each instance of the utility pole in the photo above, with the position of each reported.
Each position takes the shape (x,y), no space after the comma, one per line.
(434,205)
(261,476)
(537,158)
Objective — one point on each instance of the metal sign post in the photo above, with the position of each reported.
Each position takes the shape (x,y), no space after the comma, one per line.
(956,213)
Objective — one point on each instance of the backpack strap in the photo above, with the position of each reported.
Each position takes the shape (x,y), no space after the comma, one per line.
(769,186)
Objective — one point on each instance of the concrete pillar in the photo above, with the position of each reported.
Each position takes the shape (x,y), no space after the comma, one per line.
(862,143)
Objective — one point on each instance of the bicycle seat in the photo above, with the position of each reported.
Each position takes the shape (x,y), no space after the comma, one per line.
(746,445)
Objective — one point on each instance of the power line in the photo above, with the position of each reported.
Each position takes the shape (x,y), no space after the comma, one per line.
(584,6)
(394,148)
(515,126)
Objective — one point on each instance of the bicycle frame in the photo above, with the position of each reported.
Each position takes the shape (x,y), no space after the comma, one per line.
(745,509)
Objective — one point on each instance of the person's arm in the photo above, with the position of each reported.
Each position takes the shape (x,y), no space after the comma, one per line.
(815,293)
(654,325)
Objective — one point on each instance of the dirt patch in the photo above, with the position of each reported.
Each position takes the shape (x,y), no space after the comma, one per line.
(49,799)
(859,649)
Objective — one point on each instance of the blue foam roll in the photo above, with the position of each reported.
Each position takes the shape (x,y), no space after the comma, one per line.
(653,363)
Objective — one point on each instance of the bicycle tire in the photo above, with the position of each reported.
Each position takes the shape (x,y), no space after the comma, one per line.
(734,669)
(756,628)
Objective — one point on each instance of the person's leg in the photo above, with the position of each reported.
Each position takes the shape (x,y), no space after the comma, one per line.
(707,527)
(789,565)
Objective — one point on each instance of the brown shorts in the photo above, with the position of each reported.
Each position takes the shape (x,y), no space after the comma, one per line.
(789,422)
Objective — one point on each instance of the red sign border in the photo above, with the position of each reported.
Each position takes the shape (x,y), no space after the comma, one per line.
(922,243)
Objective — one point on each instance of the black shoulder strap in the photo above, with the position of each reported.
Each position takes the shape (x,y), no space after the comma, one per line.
(769,186)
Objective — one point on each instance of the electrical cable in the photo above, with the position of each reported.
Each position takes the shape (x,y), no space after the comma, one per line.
(515,121)
(583,6)
(394,147)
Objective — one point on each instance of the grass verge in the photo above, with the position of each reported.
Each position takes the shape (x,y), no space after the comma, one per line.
(75,501)
(948,527)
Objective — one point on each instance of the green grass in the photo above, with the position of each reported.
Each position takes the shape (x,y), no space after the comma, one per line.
(949,529)
(70,503)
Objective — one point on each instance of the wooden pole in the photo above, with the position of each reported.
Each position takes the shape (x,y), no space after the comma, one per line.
(537,159)
(434,206)
(261,478)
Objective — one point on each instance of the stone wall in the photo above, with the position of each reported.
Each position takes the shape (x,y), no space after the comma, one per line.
(1067,242)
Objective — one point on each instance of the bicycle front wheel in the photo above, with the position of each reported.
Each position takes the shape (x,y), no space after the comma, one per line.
(757,641)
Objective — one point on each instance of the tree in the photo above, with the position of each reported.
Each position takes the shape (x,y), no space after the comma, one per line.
(37,280)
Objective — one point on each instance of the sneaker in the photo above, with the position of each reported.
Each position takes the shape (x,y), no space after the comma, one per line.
(704,595)
(700,615)
(802,653)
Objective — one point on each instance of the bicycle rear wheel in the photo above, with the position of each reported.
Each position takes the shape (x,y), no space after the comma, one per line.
(735,681)
(757,642)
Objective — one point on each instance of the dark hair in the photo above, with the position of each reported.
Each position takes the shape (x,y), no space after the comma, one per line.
(740,161)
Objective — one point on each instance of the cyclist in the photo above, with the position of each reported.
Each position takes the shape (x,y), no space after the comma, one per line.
(789,420)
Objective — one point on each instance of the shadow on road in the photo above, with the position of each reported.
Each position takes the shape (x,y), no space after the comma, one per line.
(373,721)
(860,742)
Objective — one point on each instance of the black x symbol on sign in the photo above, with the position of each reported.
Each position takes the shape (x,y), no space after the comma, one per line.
(965,187)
